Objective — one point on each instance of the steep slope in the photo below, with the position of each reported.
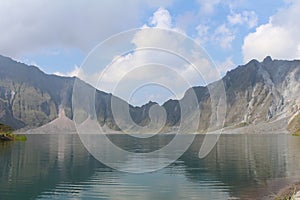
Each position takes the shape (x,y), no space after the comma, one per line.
(262,91)
(28,97)
(294,124)
(258,92)
(62,124)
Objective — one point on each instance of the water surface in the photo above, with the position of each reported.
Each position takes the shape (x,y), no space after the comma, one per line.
(59,167)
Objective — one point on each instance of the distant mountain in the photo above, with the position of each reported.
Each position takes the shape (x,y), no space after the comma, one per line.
(30,98)
(262,96)
(263,91)
(258,92)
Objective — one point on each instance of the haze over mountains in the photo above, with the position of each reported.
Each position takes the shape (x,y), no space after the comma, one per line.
(256,93)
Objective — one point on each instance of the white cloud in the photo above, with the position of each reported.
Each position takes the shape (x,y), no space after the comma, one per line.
(74,72)
(37,25)
(225,65)
(207,7)
(202,33)
(223,36)
(278,38)
(161,19)
(127,71)
(163,65)
(246,17)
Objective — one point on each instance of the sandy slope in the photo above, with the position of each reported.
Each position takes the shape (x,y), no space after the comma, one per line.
(62,124)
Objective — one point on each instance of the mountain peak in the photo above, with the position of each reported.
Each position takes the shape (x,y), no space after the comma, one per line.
(267,59)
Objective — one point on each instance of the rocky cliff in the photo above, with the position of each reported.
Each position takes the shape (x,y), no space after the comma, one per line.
(258,92)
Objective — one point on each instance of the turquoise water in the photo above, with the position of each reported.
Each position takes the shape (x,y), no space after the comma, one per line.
(59,167)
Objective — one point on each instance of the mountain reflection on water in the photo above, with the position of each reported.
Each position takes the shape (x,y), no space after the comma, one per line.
(58,166)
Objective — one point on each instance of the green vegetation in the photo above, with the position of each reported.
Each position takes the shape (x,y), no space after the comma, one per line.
(7,135)
(238,125)
(5,129)
(242,124)
(296,134)
(294,125)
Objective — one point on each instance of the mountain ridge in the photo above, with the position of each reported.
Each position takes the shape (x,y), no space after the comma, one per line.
(256,92)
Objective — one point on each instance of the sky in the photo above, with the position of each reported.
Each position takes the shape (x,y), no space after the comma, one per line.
(57,35)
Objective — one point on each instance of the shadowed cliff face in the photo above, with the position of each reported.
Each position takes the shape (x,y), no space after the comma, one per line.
(28,97)
(255,92)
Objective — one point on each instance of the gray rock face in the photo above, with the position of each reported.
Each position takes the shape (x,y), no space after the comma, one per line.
(257,92)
